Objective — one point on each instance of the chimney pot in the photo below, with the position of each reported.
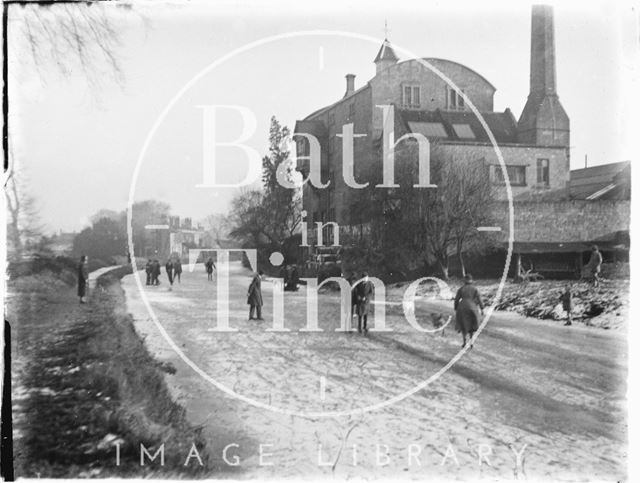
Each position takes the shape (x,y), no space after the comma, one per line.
(351,80)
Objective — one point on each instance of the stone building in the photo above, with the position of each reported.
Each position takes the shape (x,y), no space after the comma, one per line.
(535,147)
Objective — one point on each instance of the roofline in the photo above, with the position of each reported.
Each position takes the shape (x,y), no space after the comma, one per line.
(427,59)
(622,164)
(322,109)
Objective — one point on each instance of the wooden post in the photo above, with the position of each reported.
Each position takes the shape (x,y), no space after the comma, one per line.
(518,273)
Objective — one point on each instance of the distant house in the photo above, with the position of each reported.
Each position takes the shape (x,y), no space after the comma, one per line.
(176,237)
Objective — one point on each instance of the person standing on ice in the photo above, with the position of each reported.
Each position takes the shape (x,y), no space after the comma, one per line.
(209,267)
(177,269)
(254,296)
(567,303)
(364,292)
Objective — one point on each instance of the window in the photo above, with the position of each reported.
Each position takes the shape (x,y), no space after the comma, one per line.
(463,131)
(455,102)
(543,171)
(352,112)
(517,175)
(411,96)
(428,129)
(332,118)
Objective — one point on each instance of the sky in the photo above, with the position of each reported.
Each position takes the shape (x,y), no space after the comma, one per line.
(79,144)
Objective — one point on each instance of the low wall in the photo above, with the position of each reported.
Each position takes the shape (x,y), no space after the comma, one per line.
(563,221)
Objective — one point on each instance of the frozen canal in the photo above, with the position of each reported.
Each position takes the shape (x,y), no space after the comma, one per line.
(532,398)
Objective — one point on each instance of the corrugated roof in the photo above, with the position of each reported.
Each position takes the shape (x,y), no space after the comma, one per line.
(606,181)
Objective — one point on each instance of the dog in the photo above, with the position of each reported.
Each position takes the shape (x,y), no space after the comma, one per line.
(439,321)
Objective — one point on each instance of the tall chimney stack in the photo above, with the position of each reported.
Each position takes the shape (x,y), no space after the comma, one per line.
(351,82)
(543,121)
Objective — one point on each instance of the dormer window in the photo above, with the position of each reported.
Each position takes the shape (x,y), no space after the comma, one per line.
(455,102)
(411,96)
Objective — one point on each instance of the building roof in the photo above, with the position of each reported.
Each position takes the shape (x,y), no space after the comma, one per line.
(461,126)
(605,182)
(386,52)
(317,128)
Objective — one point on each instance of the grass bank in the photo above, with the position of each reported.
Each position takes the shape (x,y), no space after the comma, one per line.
(85,385)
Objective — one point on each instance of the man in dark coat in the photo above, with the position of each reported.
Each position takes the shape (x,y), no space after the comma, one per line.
(364,292)
(595,264)
(155,273)
(149,270)
(177,269)
(468,306)
(354,293)
(169,268)
(83,278)
(254,297)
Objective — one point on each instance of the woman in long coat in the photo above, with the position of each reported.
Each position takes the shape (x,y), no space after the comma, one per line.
(83,278)
(254,297)
(468,306)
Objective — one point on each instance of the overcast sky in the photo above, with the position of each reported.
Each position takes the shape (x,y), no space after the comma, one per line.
(79,143)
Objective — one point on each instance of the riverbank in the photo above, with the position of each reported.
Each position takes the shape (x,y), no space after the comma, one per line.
(86,393)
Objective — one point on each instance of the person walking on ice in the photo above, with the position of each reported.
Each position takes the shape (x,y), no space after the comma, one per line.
(169,269)
(468,306)
(254,296)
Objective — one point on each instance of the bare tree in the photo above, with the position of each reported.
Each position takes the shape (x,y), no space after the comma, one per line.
(23,224)
(69,35)
(218,226)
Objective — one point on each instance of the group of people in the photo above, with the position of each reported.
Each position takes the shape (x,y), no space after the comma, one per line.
(173,267)
(467,304)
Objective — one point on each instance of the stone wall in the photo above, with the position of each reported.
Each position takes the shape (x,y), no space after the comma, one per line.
(564,221)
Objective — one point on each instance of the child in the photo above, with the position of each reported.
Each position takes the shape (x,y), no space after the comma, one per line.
(567,303)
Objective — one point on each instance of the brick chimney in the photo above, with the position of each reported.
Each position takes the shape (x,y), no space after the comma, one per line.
(351,82)
(543,121)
